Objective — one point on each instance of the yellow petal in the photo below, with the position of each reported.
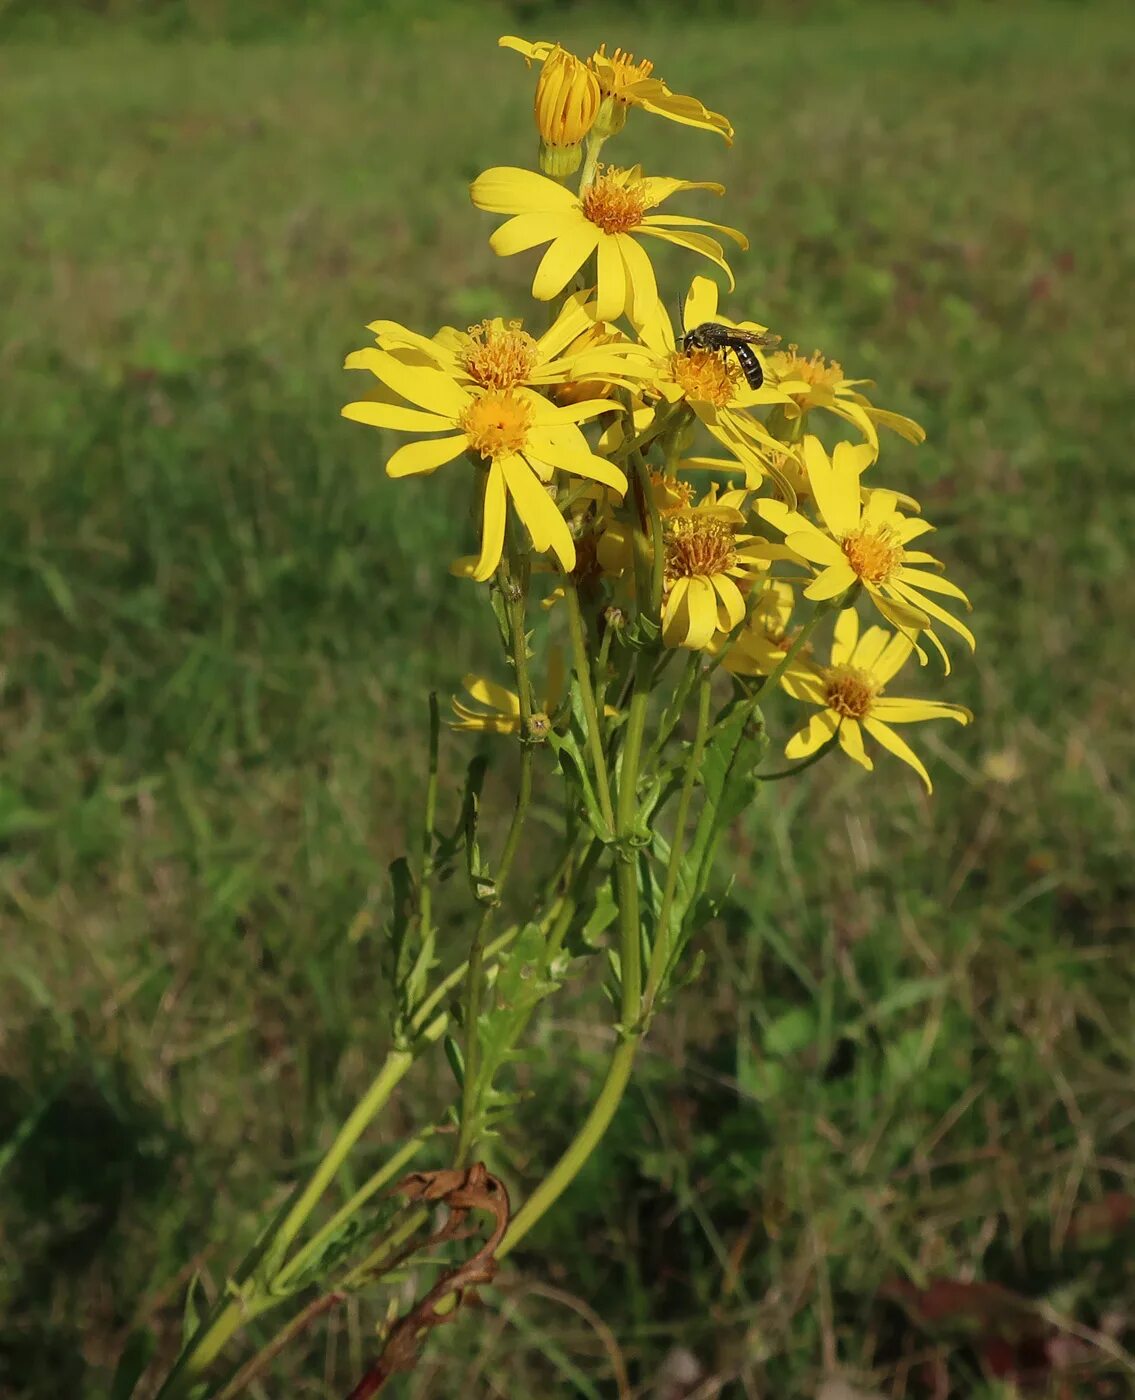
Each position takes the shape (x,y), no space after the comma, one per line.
(851,742)
(899,711)
(836,492)
(845,637)
(392,415)
(538,511)
(684,221)
(492,525)
(701,600)
(487,692)
(815,733)
(696,243)
(563,259)
(611,279)
(526,231)
(538,50)
(507,189)
(427,455)
(660,187)
(834,580)
(701,303)
(817,547)
(890,740)
(428,388)
(732,603)
(642,287)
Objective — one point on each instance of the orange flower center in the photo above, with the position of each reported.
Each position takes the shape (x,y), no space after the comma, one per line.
(614,203)
(619,72)
(848,691)
(498,356)
(873,552)
(697,545)
(816,371)
(497,423)
(704,375)
(671,494)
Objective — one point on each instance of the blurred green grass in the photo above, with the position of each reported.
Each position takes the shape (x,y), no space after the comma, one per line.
(909,1053)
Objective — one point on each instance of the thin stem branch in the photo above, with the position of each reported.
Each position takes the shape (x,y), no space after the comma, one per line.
(661,952)
(587,695)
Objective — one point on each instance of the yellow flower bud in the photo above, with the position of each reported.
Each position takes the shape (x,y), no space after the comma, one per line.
(567,99)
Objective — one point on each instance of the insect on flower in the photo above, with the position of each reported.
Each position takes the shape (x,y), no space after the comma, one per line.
(712,335)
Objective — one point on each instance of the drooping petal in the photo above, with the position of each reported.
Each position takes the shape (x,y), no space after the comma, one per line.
(564,259)
(611,279)
(815,733)
(675,613)
(642,286)
(548,528)
(732,603)
(927,605)
(487,692)
(508,189)
(492,525)
(932,583)
(685,221)
(851,742)
(414,458)
(660,187)
(899,747)
(702,604)
(696,243)
(397,416)
(897,710)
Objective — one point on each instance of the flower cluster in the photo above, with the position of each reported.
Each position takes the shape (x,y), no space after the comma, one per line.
(583,444)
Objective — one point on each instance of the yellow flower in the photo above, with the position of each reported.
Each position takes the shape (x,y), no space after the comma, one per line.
(496,709)
(712,383)
(519,435)
(567,101)
(607,218)
(865,542)
(850,692)
(762,643)
(625,83)
(500,354)
(819,383)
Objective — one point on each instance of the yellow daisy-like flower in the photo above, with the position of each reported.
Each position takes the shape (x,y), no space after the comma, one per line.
(707,557)
(496,709)
(712,383)
(850,692)
(763,642)
(519,436)
(866,543)
(820,383)
(628,83)
(500,354)
(607,218)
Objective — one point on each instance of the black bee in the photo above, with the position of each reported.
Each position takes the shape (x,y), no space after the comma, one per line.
(711,335)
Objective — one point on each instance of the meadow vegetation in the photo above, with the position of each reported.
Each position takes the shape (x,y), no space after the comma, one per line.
(907,1058)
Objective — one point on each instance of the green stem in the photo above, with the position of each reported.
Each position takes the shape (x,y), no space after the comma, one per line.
(661,952)
(584,1143)
(793,769)
(590,161)
(311,1250)
(650,556)
(514,584)
(426,930)
(587,695)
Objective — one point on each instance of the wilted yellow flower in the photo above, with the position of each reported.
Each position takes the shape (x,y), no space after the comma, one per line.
(626,83)
(820,383)
(865,543)
(518,434)
(601,220)
(764,640)
(850,692)
(496,709)
(567,100)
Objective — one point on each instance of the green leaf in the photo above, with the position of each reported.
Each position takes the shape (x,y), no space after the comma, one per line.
(573,766)
(135,1358)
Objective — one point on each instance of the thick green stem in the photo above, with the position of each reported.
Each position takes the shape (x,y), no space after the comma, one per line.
(662,950)
(587,695)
